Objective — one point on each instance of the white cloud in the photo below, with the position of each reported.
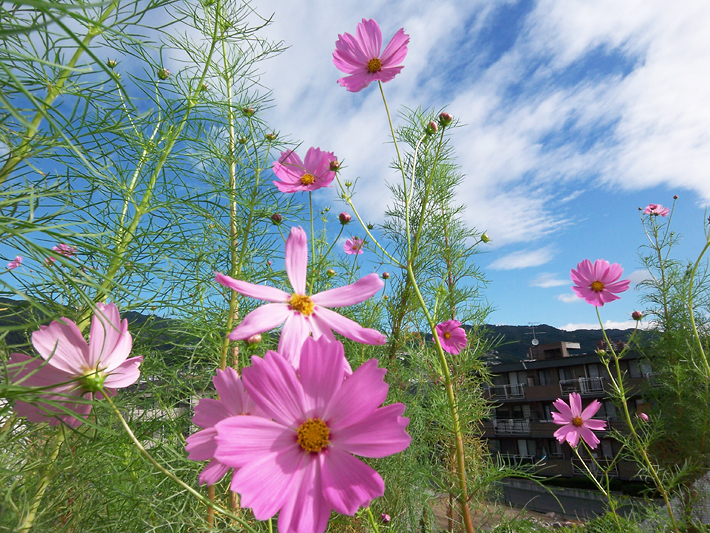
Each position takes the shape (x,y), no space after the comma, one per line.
(547,280)
(523,259)
(568,298)
(609,324)
(637,276)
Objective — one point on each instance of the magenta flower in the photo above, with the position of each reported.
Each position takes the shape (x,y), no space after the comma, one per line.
(575,422)
(299,463)
(452,336)
(656,209)
(12,265)
(597,283)
(297,176)
(72,368)
(361,56)
(65,250)
(303,315)
(354,246)
(233,401)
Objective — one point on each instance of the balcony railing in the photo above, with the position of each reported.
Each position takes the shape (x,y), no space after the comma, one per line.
(516,458)
(511,427)
(582,385)
(579,469)
(507,391)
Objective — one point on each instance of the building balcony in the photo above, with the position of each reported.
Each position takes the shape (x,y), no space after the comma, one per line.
(582,386)
(506,392)
(511,427)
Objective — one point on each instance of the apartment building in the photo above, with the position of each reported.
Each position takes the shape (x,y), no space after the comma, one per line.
(521,429)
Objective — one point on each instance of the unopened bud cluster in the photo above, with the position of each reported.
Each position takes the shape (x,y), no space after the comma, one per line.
(163,73)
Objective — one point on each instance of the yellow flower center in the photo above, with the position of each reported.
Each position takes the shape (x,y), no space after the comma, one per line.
(447,335)
(313,435)
(92,379)
(577,421)
(301,303)
(308,179)
(374,65)
(597,286)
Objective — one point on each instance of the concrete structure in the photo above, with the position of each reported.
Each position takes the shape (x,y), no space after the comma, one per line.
(521,429)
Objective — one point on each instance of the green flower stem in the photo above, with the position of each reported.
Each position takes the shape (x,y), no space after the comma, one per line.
(53,91)
(453,408)
(169,474)
(26,524)
(690,310)
(312,239)
(371,519)
(632,429)
(427,190)
(594,479)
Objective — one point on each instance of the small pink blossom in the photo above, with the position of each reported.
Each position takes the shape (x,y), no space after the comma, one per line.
(354,246)
(362,58)
(303,315)
(69,367)
(233,401)
(298,460)
(656,209)
(575,422)
(12,265)
(297,176)
(65,250)
(452,336)
(597,283)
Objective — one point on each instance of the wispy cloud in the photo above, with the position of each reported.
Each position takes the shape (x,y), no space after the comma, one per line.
(628,324)
(547,280)
(637,276)
(569,298)
(523,259)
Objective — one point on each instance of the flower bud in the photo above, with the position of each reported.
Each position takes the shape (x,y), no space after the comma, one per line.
(270,136)
(254,340)
(637,315)
(431,128)
(111,63)
(485,238)
(370,226)
(268,262)
(243,140)
(344,218)
(385,518)
(330,272)
(204,86)
(445,119)
(643,416)
(248,111)
(385,275)
(348,183)
(276,219)
(675,196)
(334,166)
(163,73)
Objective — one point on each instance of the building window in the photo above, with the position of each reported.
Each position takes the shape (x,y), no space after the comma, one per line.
(543,377)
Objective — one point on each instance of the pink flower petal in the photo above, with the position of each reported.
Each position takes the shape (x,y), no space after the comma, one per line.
(201,445)
(127,373)
(321,370)
(356,82)
(209,413)
(352,294)
(212,473)
(348,483)
(348,328)
(590,410)
(358,397)
(272,384)
(589,437)
(565,412)
(260,292)
(242,439)
(62,344)
(396,49)
(569,433)
(294,333)
(575,403)
(369,37)
(232,393)
(595,425)
(379,435)
(261,319)
(109,340)
(305,510)
(297,259)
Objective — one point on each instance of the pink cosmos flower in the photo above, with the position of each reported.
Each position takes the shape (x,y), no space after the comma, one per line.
(296,176)
(299,463)
(354,246)
(597,283)
(233,401)
(72,368)
(303,315)
(65,250)
(452,336)
(575,422)
(361,56)
(656,209)
(12,265)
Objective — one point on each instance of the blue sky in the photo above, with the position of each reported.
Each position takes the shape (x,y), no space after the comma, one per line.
(574,116)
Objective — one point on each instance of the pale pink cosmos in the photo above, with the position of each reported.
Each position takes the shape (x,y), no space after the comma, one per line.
(598,282)
(297,176)
(70,368)
(656,209)
(303,315)
(12,265)
(233,401)
(452,336)
(65,250)
(354,246)
(298,461)
(362,57)
(575,422)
